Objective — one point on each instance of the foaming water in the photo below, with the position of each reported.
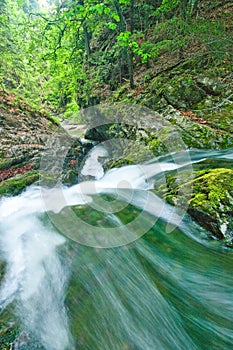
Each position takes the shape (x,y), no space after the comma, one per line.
(35,277)
(163,291)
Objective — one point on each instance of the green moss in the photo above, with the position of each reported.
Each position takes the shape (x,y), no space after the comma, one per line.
(117,163)
(157,147)
(121,93)
(182,92)
(9,329)
(216,183)
(15,185)
(18,183)
(196,135)
(53,120)
(208,194)
(7,163)
(221,120)
(210,188)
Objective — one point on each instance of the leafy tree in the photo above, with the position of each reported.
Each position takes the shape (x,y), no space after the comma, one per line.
(64,55)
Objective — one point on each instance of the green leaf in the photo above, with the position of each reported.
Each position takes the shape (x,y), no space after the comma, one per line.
(124,2)
(107,10)
(111,25)
(115,17)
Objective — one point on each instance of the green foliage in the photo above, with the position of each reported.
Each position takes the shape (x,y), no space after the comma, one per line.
(124,38)
(72,110)
(65,56)
(21,65)
(166,7)
(127,39)
(153,50)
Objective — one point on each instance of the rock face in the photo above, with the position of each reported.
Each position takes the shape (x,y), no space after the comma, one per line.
(201,92)
(25,135)
(24,132)
(148,132)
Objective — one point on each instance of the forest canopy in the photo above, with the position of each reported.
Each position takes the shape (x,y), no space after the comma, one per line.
(70,54)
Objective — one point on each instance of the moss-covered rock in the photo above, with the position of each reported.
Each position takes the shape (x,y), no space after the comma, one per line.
(8,333)
(183,92)
(197,133)
(9,329)
(209,197)
(6,163)
(18,183)
(221,119)
(154,134)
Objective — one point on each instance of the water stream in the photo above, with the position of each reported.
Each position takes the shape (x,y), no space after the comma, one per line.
(159,284)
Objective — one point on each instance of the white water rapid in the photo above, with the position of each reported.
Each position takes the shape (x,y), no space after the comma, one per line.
(162,294)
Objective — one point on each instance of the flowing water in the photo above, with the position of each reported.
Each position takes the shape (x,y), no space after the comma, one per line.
(158,284)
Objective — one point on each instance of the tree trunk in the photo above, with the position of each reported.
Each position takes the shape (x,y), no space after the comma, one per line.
(87,40)
(184,9)
(130,68)
(132,16)
(128,54)
(86,34)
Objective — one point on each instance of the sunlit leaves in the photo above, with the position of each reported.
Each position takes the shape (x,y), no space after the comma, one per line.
(124,38)
(167,6)
(127,39)
(111,25)
(115,17)
(124,2)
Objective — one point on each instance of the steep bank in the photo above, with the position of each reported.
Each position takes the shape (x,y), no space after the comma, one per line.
(24,131)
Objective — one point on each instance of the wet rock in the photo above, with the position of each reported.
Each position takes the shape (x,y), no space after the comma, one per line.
(8,332)
(70,177)
(143,133)
(25,136)
(209,197)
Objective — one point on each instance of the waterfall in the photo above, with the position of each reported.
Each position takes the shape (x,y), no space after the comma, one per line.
(35,277)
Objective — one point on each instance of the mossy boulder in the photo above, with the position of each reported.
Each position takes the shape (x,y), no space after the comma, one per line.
(183,92)
(199,133)
(18,183)
(221,119)
(208,194)
(211,86)
(9,329)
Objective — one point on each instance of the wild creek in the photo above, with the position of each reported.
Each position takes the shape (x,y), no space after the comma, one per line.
(108,265)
